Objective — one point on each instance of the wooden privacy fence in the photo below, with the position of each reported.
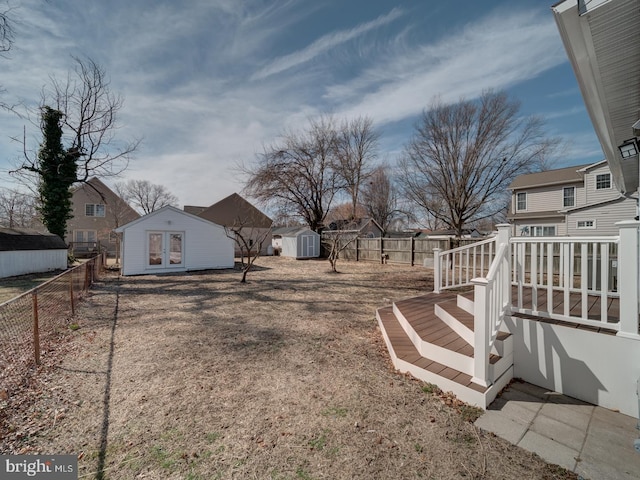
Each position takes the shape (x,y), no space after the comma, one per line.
(31,322)
(411,251)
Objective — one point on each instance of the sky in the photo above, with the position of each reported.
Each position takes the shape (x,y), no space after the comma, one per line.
(207,84)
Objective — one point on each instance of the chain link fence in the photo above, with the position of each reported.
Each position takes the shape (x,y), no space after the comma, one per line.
(32,322)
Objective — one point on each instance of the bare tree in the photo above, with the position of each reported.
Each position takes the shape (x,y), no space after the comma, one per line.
(6,31)
(17,209)
(335,242)
(380,198)
(249,241)
(297,173)
(463,156)
(89,119)
(6,42)
(145,196)
(356,149)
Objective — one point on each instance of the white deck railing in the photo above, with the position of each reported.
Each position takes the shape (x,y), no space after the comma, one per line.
(492,303)
(573,279)
(456,268)
(590,281)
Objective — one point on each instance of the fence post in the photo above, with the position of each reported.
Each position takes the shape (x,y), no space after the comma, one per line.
(357,249)
(36,328)
(73,308)
(628,277)
(480,332)
(437,270)
(412,247)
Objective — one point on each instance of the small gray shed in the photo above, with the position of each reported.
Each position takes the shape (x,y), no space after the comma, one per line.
(297,242)
(24,251)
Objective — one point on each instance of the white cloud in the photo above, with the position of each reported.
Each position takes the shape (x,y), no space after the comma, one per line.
(324,44)
(497,52)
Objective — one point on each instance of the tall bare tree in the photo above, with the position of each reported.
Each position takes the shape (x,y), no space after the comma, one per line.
(17,209)
(6,42)
(462,157)
(356,149)
(380,198)
(89,120)
(145,196)
(297,174)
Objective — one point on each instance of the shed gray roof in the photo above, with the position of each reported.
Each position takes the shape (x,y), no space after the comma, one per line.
(12,239)
(290,231)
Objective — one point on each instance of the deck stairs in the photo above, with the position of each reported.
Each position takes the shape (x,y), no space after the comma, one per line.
(431,337)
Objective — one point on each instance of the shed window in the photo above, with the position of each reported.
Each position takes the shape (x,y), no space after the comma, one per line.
(94,210)
(603,181)
(521,201)
(569,197)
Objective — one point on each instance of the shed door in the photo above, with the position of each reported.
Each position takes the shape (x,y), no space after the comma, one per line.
(308,246)
(165,249)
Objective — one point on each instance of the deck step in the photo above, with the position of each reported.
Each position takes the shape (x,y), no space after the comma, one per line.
(457,318)
(438,360)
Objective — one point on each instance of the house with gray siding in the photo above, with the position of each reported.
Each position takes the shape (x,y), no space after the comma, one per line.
(578,200)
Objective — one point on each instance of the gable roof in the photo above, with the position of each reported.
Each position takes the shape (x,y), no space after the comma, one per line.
(12,239)
(549,177)
(96,186)
(233,210)
(194,209)
(158,212)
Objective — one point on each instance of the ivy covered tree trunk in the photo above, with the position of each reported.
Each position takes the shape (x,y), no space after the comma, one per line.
(57,169)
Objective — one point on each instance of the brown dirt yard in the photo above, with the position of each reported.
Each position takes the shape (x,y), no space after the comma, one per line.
(196,376)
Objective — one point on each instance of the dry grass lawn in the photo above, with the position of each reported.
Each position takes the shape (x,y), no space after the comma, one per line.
(196,376)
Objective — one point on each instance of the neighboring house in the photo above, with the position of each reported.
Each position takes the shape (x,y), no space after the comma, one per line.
(579,200)
(171,240)
(296,242)
(24,251)
(97,211)
(236,212)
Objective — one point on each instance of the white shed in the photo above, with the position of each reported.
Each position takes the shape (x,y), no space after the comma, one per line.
(297,242)
(25,251)
(171,240)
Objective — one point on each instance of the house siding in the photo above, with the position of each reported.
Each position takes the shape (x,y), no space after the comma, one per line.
(594,195)
(544,199)
(117,212)
(605,217)
(205,244)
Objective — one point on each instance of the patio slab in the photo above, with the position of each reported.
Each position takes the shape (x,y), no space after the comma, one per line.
(591,441)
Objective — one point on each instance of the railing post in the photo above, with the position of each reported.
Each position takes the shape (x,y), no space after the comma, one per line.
(437,270)
(480,332)
(504,236)
(628,271)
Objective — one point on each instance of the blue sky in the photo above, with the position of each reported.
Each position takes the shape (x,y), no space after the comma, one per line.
(207,83)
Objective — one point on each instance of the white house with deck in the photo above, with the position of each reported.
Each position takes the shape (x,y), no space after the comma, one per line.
(546,308)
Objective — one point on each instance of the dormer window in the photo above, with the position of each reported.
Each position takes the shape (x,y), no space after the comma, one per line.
(603,181)
(569,197)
